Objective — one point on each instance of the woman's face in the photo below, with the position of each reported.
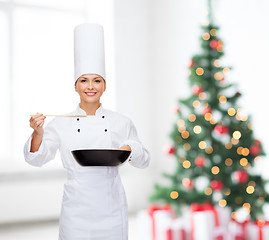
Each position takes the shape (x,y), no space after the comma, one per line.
(90,87)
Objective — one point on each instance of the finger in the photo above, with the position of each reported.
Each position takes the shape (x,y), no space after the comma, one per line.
(39,122)
(36,115)
(36,119)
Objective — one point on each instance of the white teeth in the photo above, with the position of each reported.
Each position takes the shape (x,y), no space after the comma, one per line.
(90,93)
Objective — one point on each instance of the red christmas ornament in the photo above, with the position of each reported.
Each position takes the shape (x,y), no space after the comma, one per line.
(187,183)
(207,110)
(255,150)
(214,44)
(216,185)
(176,109)
(170,150)
(199,161)
(240,176)
(197,89)
(257,142)
(221,129)
(191,64)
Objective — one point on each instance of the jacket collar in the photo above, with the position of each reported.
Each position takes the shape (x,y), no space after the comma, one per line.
(81,111)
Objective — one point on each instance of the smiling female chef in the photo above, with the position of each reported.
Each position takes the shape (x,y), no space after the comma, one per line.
(94,205)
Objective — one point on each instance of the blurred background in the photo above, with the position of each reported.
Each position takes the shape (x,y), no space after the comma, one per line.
(149,44)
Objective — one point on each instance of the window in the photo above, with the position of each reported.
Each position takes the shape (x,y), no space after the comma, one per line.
(36,73)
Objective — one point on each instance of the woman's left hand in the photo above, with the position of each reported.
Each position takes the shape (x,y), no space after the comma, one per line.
(125,147)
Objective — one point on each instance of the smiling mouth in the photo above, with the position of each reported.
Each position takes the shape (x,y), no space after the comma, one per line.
(90,93)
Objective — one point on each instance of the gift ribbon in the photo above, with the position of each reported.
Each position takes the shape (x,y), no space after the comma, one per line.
(260,225)
(169,234)
(243,226)
(151,211)
(196,207)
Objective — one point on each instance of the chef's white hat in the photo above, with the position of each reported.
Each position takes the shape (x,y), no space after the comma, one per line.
(89,50)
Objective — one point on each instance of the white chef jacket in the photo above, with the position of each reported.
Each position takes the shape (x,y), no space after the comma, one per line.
(94,204)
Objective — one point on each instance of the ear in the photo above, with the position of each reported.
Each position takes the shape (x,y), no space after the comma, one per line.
(76,87)
(104,85)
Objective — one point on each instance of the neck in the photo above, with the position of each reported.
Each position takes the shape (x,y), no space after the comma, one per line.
(90,108)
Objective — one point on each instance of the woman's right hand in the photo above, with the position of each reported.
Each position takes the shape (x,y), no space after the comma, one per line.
(36,122)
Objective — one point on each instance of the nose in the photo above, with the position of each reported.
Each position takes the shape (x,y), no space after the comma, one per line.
(90,86)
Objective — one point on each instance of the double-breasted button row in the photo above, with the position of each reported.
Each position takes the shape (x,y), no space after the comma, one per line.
(102,117)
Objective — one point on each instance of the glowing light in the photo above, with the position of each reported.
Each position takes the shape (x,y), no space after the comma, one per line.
(209,150)
(206,36)
(222,203)
(228,162)
(243,162)
(250,189)
(245,152)
(186,164)
(186,146)
(238,117)
(238,200)
(246,205)
(220,45)
(226,70)
(199,71)
(228,145)
(213,32)
(185,134)
(231,111)
(234,141)
(208,116)
(239,150)
(252,183)
(202,96)
(215,170)
(222,99)
(180,123)
(256,159)
(227,192)
(178,139)
(202,145)
(236,135)
(217,63)
(181,129)
(208,191)
(213,121)
(174,194)
(260,223)
(186,182)
(197,129)
(192,118)
(218,76)
(196,104)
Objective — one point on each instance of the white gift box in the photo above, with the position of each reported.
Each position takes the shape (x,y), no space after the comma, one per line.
(237,230)
(166,226)
(210,224)
(253,232)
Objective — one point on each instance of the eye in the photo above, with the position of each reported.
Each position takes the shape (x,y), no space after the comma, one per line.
(83,80)
(97,80)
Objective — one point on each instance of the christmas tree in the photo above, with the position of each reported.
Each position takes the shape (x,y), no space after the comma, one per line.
(213,142)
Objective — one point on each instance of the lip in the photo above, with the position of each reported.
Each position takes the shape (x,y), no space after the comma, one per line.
(90,93)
